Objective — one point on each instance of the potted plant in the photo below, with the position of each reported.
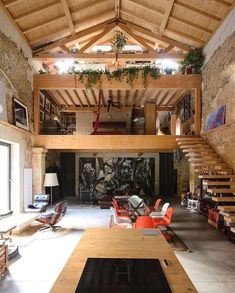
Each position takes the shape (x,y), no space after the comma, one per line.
(193,62)
(119,41)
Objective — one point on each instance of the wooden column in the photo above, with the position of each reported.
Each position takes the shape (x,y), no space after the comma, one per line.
(150,117)
(38,166)
(173,124)
(36,96)
(197,109)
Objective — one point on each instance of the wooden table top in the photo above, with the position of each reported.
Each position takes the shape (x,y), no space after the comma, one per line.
(122,243)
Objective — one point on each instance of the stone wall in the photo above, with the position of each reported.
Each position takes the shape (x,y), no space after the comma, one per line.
(182,166)
(219,89)
(14,73)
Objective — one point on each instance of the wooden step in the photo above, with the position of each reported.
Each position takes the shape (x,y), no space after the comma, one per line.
(215,160)
(221,190)
(199,155)
(218,183)
(189,139)
(223,199)
(232,229)
(229,219)
(197,146)
(221,171)
(217,176)
(199,151)
(227,209)
(214,165)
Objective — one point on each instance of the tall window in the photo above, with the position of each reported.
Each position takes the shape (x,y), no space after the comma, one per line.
(5,163)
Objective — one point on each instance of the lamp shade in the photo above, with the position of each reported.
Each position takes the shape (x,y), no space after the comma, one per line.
(51,179)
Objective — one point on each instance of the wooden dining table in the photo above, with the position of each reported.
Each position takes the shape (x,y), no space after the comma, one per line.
(123,243)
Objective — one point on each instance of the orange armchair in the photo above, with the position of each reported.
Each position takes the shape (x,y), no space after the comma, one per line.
(164,221)
(156,205)
(144,222)
(119,210)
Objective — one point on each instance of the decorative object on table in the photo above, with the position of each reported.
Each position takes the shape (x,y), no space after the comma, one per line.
(20,114)
(50,181)
(192,62)
(215,119)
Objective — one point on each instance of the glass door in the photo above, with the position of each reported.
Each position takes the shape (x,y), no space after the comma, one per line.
(5,173)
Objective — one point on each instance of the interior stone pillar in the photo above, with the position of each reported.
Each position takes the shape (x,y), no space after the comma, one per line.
(38,166)
(193,179)
(173,124)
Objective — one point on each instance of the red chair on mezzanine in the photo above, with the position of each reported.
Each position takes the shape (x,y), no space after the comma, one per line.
(144,222)
(119,210)
(164,221)
(156,205)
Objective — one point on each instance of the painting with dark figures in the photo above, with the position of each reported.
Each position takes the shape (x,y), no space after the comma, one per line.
(104,176)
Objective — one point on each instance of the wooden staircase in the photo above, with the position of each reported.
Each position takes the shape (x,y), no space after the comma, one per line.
(219,181)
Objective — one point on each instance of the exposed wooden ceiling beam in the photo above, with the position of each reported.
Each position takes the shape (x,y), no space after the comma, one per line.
(91,109)
(78,35)
(94,97)
(78,97)
(157,36)
(65,49)
(185,35)
(199,11)
(138,39)
(165,108)
(85,5)
(6,11)
(10,3)
(42,23)
(35,10)
(108,56)
(169,6)
(96,39)
(168,49)
(146,6)
(86,97)
(225,3)
(117,9)
(61,97)
(176,99)
(127,93)
(68,16)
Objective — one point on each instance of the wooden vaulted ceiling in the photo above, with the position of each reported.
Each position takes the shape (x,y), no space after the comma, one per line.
(169,25)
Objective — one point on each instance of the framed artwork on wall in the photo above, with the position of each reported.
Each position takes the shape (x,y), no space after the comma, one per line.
(20,113)
(47,105)
(42,100)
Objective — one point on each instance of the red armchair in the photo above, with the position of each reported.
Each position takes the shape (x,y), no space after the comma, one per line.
(164,221)
(144,222)
(119,210)
(156,205)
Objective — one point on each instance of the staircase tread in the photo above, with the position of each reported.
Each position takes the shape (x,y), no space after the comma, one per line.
(219,183)
(221,190)
(223,199)
(226,208)
(215,176)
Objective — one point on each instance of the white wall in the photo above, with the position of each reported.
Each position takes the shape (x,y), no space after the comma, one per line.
(224,31)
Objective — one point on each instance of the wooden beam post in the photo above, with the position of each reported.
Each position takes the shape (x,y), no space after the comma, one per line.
(36,96)
(150,117)
(197,109)
(173,124)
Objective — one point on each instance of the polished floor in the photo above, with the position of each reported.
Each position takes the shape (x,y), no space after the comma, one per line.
(210,264)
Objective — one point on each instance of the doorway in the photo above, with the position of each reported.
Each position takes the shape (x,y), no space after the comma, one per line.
(166,171)
(67,174)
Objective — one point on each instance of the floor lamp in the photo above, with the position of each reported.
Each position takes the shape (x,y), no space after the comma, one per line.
(50,181)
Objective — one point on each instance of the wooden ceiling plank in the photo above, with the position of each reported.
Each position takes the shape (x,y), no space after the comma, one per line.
(199,11)
(225,3)
(138,39)
(157,36)
(86,97)
(77,36)
(51,95)
(169,6)
(96,39)
(71,97)
(117,8)
(185,35)
(6,11)
(78,97)
(176,99)
(94,97)
(192,24)
(35,10)
(68,16)
(171,96)
(147,7)
(158,103)
(62,98)
(67,95)
(42,23)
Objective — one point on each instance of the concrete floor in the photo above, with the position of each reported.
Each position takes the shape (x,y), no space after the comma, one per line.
(210,265)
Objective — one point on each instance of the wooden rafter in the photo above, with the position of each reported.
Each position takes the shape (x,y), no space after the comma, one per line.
(169,97)
(96,39)
(146,6)
(94,97)
(158,103)
(42,23)
(10,3)
(127,93)
(138,39)
(225,3)
(35,10)
(117,8)
(78,97)
(68,16)
(185,35)
(82,6)
(102,97)
(168,49)
(61,97)
(167,13)
(77,36)
(92,109)
(70,97)
(157,36)
(65,49)
(199,11)
(176,99)
(86,97)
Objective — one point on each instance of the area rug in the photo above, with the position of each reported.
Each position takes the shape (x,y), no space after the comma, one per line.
(174,241)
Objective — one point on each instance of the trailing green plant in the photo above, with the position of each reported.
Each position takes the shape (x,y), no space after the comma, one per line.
(92,78)
(192,62)
(119,41)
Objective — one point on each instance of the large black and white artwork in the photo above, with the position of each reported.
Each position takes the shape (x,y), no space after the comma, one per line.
(105,177)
